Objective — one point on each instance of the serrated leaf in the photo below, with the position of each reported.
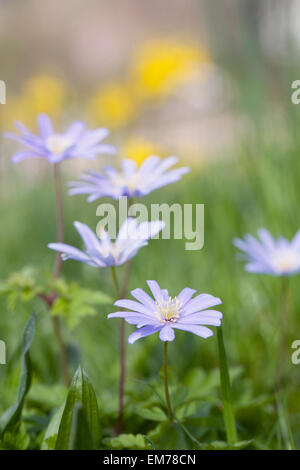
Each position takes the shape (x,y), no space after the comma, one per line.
(222,445)
(75,302)
(81,395)
(20,286)
(153,414)
(128,441)
(11,417)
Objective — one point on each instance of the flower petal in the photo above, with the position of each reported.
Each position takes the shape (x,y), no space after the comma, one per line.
(201,302)
(167,333)
(185,295)
(142,332)
(143,297)
(196,329)
(133,306)
(156,290)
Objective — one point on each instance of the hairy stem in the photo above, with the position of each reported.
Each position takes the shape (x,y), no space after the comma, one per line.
(119,425)
(59,219)
(170,412)
(283,322)
(57,271)
(226,395)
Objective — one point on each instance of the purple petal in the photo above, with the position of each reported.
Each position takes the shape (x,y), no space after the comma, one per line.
(196,329)
(19,156)
(128,167)
(143,297)
(185,295)
(142,332)
(134,318)
(205,317)
(167,333)
(156,290)
(75,130)
(70,252)
(132,305)
(201,302)
(266,238)
(45,125)
(89,238)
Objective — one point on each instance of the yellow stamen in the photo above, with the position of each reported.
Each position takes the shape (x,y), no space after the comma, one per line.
(168,310)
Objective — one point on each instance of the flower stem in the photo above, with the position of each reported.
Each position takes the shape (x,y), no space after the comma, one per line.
(59,219)
(226,391)
(57,271)
(170,412)
(116,282)
(283,322)
(119,425)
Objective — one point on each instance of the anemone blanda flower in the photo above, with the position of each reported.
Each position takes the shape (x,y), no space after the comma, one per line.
(131,181)
(104,252)
(75,142)
(165,313)
(279,257)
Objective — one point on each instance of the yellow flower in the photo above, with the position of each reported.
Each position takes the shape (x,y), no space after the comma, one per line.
(44,94)
(139,149)
(39,94)
(161,65)
(112,105)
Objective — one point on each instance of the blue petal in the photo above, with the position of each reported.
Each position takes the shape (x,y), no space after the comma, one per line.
(142,332)
(167,333)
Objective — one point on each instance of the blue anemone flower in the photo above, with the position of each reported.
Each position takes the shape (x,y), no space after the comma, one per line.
(164,314)
(279,257)
(75,142)
(104,252)
(131,181)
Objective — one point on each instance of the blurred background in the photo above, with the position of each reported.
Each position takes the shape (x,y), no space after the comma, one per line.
(208,81)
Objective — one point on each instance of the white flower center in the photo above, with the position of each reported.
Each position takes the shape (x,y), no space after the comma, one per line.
(131,182)
(285,260)
(57,143)
(168,311)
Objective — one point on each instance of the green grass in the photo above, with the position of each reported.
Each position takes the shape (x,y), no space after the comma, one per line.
(258,186)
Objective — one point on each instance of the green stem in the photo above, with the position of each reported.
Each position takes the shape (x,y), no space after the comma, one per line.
(119,425)
(116,282)
(170,412)
(57,271)
(226,391)
(283,322)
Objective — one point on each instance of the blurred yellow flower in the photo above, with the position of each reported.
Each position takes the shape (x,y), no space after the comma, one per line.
(44,94)
(39,94)
(160,65)
(112,105)
(139,149)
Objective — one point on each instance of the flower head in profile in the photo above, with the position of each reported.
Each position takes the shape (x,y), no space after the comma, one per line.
(104,252)
(75,142)
(163,314)
(268,255)
(131,181)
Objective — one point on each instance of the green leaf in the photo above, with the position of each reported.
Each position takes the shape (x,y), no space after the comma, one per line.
(16,439)
(12,417)
(81,407)
(20,286)
(128,441)
(169,436)
(75,302)
(222,445)
(51,433)
(153,414)
(226,391)
(45,397)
